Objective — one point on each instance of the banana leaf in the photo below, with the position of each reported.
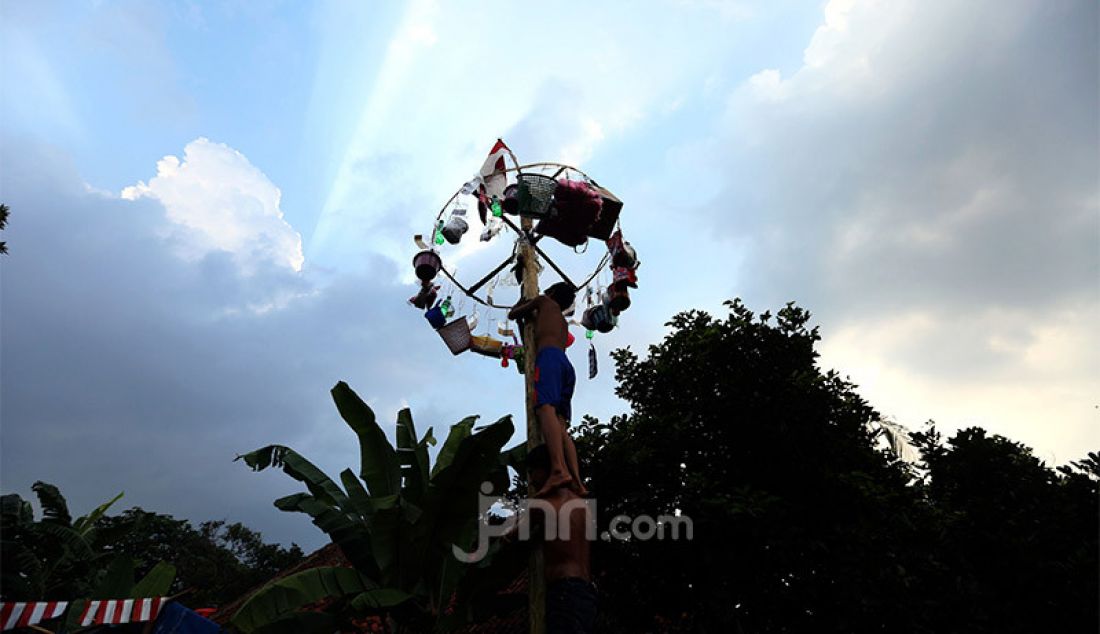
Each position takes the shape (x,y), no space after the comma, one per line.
(21,573)
(515,457)
(280,599)
(452,570)
(454,488)
(87,523)
(358,497)
(54,508)
(453,493)
(413,456)
(118,581)
(379,466)
(476,598)
(297,467)
(14,510)
(350,534)
(406,430)
(300,622)
(70,538)
(459,432)
(156,583)
(385,537)
(381,598)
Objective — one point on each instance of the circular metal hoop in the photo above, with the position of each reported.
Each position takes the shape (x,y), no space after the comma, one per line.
(557,170)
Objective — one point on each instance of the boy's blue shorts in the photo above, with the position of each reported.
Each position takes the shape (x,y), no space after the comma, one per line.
(554,381)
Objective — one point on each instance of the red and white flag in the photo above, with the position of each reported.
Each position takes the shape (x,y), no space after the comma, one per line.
(492,170)
(118,611)
(495,161)
(13,615)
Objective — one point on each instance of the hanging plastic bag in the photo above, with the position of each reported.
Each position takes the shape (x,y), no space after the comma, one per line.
(598,318)
(456,226)
(493,225)
(472,185)
(622,254)
(618,299)
(622,276)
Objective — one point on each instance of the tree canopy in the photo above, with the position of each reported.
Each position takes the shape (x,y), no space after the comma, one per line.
(802,522)
(216,561)
(58,557)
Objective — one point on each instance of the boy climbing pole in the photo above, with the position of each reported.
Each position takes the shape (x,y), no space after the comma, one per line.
(554,383)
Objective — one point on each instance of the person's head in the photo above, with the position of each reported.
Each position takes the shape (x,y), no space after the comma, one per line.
(563,294)
(538,465)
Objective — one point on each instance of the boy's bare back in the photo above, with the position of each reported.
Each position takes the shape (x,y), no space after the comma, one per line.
(550,327)
(568,556)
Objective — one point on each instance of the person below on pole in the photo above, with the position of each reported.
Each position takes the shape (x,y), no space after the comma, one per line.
(570,594)
(554,382)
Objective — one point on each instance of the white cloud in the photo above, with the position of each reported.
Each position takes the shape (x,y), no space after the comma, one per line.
(1033,381)
(218,201)
(925,182)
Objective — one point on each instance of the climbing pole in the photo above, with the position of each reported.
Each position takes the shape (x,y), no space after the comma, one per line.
(546,200)
(536,584)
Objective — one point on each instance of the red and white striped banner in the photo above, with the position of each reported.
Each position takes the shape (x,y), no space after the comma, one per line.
(98,612)
(13,615)
(117,611)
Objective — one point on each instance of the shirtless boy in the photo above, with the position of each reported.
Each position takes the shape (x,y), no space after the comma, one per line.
(554,383)
(570,596)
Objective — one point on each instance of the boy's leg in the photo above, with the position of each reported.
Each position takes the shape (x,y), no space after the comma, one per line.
(571,461)
(552,433)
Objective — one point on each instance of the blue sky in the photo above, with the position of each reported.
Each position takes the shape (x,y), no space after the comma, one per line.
(213,204)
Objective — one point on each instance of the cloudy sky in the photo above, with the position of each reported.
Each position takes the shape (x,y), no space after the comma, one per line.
(213,204)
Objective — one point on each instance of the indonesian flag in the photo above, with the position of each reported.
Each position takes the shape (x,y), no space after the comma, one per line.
(492,170)
(13,615)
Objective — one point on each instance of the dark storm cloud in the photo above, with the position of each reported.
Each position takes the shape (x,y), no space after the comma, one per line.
(126,367)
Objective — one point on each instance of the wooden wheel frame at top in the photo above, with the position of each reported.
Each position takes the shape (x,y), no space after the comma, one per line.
(542,167)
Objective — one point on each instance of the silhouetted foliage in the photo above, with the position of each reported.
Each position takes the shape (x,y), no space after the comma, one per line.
(1019,539)
(4,213)
(54,557)
(801,522)
(58,557)
(217,561)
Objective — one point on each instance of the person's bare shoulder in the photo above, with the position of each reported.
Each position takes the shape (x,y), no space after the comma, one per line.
(545,303)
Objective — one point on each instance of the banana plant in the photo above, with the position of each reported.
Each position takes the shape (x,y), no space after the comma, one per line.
(55,556)
(59,558)
(395,520)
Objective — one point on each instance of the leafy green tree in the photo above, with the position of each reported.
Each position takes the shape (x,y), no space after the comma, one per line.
(396,520)
(801,523)
(217,562)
